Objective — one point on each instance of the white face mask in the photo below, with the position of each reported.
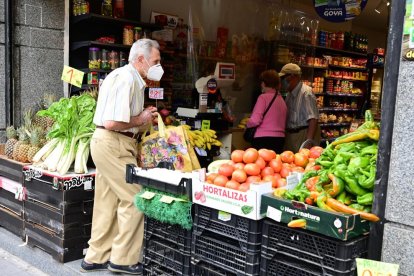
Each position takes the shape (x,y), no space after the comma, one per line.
(155,72)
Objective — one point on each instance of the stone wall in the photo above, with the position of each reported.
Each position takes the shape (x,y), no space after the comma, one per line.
(39,43)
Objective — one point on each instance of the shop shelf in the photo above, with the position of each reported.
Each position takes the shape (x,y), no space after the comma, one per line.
(311,248)
(334,124)
(283,265)
(336,78)
(93,17)
(347,68)
(338,109)
(89,43)
(171,233)
(166,256)
(313,66)
(225,253)
(206,269)
(87,70)
(247,232)
(343,95)
(183,188)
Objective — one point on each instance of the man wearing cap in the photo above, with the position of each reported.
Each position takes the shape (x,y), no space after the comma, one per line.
(303,115)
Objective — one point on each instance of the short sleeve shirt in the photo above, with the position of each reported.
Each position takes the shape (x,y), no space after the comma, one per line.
(301,104)
(121,96)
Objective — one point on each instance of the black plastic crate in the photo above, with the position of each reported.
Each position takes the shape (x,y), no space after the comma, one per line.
(8,200)
(246,231)
(12,221)
(282,265)
(312,248)
(174,234)
(11,169)
(166,256)
(206,269)
(154,269)
(225,253)
(183,188)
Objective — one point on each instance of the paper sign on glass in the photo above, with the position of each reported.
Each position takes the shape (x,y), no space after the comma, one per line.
(369,267)
(156,93)
(72,76)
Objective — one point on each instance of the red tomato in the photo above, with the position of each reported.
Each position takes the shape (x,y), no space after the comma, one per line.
(226,170)
(281,182)
(277,176)
(237,156)
(270,178)
(252,169)
(305,152)
(301,160)
(315,152)
(267,171)
(239,176)
(211,177)
(276,164)
(287,156)
(298,169)
(266,154)
(285,171)
(220,180)
(233,185)
(231,163)
(239,166)
(250,155)
(253,179)
(261,163)
(244,187)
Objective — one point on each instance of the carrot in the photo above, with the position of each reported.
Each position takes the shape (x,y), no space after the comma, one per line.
(340,207)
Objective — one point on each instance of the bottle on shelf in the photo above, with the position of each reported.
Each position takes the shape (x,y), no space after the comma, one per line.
(105,65)
(106,9)
(94,58)
(128,35)
(119,9)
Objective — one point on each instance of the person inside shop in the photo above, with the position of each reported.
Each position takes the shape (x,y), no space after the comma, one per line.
(270,132)
(302,119)
(117,225)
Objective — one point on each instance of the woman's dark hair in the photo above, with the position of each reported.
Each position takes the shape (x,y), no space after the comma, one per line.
(270,78)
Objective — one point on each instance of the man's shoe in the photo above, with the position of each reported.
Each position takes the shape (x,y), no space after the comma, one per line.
(127,269)
(85,267)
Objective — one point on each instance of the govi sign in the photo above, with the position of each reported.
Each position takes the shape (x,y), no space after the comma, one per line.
(339,10)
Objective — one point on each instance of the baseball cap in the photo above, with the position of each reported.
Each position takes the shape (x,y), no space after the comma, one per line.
(290,69)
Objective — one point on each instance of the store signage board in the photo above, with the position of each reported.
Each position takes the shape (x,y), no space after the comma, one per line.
(374,268)
(408,33)
(339,10)
(156,93)
(72,76)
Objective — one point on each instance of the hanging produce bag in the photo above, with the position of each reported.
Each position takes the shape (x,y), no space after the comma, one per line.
(168,145)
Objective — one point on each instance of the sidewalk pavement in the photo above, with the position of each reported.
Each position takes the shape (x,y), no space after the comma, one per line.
(18,259)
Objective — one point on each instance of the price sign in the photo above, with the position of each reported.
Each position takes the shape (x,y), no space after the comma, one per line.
(205,124)
(72,76)
(374,268)
(156,93)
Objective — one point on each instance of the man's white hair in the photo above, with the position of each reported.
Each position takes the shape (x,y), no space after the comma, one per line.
(142,47)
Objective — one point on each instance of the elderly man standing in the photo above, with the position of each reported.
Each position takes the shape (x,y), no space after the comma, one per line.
(117,226)
(303,114)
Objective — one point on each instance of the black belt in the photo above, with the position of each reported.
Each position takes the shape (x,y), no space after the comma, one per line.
(295,130)
(126,133)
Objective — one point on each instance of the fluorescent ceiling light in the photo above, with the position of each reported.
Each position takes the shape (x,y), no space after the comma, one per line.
(381,5)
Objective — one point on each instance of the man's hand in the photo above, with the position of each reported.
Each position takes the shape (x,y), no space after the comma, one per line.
(147,116)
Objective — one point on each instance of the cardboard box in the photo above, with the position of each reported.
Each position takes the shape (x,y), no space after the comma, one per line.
(244,204)
(332,224)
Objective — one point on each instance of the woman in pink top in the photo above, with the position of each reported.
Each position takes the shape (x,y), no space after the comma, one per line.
(270,133)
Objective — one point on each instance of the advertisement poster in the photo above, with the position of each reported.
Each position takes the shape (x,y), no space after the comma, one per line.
(339,10)
(408,33)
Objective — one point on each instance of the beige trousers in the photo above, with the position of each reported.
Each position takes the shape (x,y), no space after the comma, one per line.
(117,225)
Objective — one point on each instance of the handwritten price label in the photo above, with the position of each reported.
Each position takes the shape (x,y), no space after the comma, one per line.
(205,124)
(156,93)
(72,76)
(374,268)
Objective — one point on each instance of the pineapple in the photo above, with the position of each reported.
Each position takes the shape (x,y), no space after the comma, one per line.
(43,121)
(35,141)
(21,154)
(11,141)
(21,133)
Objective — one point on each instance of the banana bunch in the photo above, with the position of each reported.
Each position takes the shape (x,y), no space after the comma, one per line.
(243,122)
(202,138)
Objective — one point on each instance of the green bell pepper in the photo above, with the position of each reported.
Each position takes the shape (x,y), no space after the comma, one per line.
(369,181)
(357,206)
(373,150)
(358,162)
(366,199)
(352,185)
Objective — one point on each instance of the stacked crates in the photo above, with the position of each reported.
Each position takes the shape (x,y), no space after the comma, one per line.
(58,212)
(287,251)
(167,249)
(225,244)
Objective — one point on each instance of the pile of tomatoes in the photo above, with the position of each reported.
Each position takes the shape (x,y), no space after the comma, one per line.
(255,166)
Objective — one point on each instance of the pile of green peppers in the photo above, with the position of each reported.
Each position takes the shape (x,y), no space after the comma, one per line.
(347,173)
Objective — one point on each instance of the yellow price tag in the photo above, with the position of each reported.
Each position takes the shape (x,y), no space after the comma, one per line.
(374,268)
(205,124)
(72,76)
